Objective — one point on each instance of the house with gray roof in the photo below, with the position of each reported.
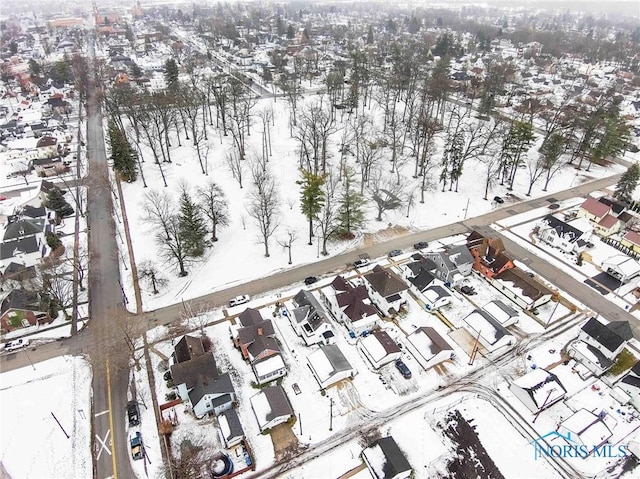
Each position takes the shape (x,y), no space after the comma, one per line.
(230,428)
(309,319)
(21,308)
(429,347)
(187,348)
(452,264)
(329,365)
(379,348)
(386,290)
(271,407)
(630,385)
(570,237)
(198,383)
(385,460)
(489,332)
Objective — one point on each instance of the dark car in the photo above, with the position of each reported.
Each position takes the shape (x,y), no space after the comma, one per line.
(404,370)
(310,280)
(421,245)
(468,290)
(498,199)
(394,252)
(133,413)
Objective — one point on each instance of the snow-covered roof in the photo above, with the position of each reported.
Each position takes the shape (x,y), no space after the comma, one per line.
(500,311)
(271,364)
(543,387)
(627,266)
(490,329)
(379,345)
(428,342)
(328,361)
(591,430)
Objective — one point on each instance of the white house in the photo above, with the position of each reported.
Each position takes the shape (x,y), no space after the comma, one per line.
(585,428)
(505,314)
(491,334)
(329,366)
(570,237)
(538,389)
(387,291)
(271,407)
(350,305)
(452,264)
(608,338)
(523,290)
(630,384)
(428,347)
(385,460)
(621,267)
(309,319)
(379,348)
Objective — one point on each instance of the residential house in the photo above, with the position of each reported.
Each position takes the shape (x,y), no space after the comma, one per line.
(309,319)
(28,251)
(452,264)
(271,407)
(15,273)
(387,291)
(379,348)
(259,347)
(522,289)
(570,237)
(21,309)
(436,296)
(504,314)
(621,267)
(47,147)
(350,305)
(230,428)
(45,167)
(428,347)
(630,385)
(585,428)
(608,226)
(329,366)
(489,255)
(538,390)
(198,383)
(602,213)
(608,338)
(187,348)
(385,460)
(22,228)
(631,240)
(490,333)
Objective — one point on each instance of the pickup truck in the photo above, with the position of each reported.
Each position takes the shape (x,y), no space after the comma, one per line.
(136,446)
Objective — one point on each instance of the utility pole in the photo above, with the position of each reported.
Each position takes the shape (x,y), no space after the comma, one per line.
(331,414)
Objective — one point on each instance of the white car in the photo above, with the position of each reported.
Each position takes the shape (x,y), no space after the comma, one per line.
(15,345)
(238,300)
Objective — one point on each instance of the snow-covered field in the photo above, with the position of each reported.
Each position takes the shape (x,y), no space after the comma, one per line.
(238,257)
(32,444)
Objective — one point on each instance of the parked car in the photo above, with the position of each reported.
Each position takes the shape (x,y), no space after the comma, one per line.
(133,413)
(15,345)
(421,245)
(403,368)
(498,199)
(468,290)
(135,442)
(394,252)
(361,262)
(238,300)
(310,280)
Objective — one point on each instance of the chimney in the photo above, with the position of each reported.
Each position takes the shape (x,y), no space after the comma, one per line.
(259,331)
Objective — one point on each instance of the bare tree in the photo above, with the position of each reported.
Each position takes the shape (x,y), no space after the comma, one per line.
(78,262)
(386,194)
(264,205)
(214,205)
(328,219)
(159,210)
(174,245)
(55,280)
(149,271)
(288,242)
(236,165)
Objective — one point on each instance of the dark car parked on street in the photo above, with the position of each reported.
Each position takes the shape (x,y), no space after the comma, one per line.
(421,245)
(310,280)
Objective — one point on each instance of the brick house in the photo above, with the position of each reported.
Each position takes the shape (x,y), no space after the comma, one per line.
(21,309)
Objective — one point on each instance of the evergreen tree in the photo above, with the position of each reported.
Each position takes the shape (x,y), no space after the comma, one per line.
(57,203)
(312,196)
(290,32)
(123,156)
(628,183)
(192,226)
(171,73)
(351,214)
(52,240)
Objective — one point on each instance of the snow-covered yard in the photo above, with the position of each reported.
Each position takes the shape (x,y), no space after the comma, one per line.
(32,443)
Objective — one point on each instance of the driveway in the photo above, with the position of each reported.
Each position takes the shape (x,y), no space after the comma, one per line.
(285,442)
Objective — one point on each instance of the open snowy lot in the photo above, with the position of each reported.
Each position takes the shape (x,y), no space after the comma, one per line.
(32,443)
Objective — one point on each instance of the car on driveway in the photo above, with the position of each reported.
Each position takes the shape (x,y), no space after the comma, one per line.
(394,252)
(403,368)
(238,300)
(310,280)
(133,413)
(16,344)
(468,290)
(498,199)
(421,245)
